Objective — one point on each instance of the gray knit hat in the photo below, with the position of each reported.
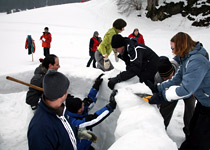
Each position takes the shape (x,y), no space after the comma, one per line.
(55,84)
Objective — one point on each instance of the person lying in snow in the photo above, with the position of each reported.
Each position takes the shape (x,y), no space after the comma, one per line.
(78,112)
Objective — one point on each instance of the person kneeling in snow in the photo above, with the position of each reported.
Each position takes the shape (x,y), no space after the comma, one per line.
(78,112)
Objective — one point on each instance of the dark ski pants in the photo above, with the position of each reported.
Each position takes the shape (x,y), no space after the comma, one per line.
(92,58)
(46,51)
(100,62)
(167,109)
(29,50)
(199,137)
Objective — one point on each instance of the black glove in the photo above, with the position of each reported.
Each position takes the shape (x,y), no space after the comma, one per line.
(157,98)
(98,82)
(112,82)
(112,102)
(152,86)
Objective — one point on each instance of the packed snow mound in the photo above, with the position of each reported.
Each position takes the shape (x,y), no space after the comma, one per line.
(133,121)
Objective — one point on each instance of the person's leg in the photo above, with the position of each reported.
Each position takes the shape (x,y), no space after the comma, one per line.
(46,51)
(199,136)
(29,50)
(166,110)
(188,113)
(89,62)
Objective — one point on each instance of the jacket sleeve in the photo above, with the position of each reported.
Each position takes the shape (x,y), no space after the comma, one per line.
(94,119)
(191,80)
(91,44)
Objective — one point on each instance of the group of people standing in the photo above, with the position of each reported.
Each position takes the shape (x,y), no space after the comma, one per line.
(186,78)
(61,117)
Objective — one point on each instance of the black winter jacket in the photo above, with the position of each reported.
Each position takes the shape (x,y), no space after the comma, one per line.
(33,96)
(140,60)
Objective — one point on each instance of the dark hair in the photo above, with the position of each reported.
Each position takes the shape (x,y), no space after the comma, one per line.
(46,28)
(119,24)
(183,44)
(136,29)
(49,59)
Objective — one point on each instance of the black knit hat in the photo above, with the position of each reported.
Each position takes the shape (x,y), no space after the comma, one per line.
(55,85)
(165,68)
(117,41)
(73,104)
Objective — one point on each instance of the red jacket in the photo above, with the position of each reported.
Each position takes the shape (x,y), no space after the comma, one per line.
(47,41)
(33,44)
(139,37)
(95,44)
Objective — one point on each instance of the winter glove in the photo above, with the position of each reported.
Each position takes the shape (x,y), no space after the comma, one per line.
(98,82)
(112,102)
(106,63)
(152,86)
(86,134)
(115,56)
(113,81)
(157,98)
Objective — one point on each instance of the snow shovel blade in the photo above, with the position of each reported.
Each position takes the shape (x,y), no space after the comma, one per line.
(144,96)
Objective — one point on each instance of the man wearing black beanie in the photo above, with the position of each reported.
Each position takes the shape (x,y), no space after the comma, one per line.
(50,127)
(139,59)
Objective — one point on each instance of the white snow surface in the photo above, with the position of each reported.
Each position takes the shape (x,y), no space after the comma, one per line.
(134,124)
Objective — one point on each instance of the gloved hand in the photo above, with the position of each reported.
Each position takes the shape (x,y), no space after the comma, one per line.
(112,102)
(157,98)
(112,82)
(86,134)
(43,39)
(98,82)
(106,63)
(152,86)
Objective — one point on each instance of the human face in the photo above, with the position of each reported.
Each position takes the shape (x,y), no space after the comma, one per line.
(81,110)
(168,77)
(172,46)
(136,32)
(56,65)
(120,49)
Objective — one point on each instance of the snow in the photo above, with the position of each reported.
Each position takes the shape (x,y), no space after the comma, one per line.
(134,124)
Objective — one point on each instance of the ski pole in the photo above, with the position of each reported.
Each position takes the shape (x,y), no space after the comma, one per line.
(24,83)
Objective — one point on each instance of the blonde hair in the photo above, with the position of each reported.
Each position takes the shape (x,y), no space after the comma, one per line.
(183,44)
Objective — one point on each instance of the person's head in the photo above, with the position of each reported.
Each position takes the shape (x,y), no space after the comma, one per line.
(165,68)
(136,32)
(75,105)
(95,34)
(51,62)
(118,43)
(182,44)
(55,87)
(46,29)
(119,24)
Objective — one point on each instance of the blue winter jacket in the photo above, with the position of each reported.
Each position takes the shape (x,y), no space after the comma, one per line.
(89,120)
(47,132)
(192,77)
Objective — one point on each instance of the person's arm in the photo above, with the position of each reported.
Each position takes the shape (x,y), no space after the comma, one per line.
(191,80)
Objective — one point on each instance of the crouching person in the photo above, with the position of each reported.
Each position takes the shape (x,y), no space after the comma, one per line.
(78,112)
(50,127)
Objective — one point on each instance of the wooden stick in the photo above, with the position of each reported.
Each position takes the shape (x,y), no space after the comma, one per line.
(24,83)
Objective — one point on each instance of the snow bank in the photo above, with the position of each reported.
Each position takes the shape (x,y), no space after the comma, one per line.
(133,125)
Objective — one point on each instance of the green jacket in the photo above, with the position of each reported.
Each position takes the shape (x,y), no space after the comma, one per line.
(105,47)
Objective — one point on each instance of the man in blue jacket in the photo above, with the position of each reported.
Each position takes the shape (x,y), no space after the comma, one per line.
(50,128)
(78,112)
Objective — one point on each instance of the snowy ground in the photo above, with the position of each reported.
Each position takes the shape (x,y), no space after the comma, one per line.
(135,124)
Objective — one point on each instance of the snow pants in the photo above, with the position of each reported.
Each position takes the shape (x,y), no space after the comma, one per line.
(100,62)
(199,136)
(46,51)
(167,109)
(92,58)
